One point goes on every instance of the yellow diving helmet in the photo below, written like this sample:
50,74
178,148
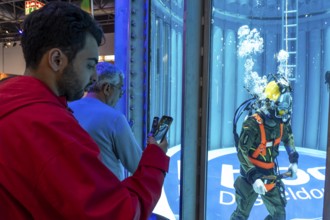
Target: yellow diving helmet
280,99
272,91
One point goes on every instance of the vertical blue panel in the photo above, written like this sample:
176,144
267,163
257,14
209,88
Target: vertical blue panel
270,50
153,67
229,88
162,59
299,93
241,93
216,73
324,107
243,2
176,88
160,66
271,2
258,58
313,95
178,115
173,84
166,69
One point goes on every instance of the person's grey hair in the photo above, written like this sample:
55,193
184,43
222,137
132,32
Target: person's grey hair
106,73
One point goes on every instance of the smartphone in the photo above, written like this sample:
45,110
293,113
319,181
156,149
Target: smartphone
154,125
162,128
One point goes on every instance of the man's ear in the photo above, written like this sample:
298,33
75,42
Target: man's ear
57,59
107,89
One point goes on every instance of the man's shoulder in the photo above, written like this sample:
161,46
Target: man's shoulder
88,104
82,101
25,92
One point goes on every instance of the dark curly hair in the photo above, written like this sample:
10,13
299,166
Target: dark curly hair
57,25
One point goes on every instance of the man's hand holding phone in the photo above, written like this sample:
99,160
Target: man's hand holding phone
159,130
163,145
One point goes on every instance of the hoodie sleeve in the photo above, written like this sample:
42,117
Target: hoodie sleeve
74,183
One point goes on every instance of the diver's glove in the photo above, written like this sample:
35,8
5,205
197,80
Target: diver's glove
259,187
293,168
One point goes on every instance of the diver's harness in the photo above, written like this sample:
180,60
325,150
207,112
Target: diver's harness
261,149
270,181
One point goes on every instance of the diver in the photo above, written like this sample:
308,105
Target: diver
257,150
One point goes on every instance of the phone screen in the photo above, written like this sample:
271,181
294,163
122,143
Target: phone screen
162,128
154,125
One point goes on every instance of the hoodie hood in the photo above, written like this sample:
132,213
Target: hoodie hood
20,91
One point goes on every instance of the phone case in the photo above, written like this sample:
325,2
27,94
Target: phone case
154,125
162,128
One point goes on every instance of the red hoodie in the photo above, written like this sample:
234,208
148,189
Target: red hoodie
49,166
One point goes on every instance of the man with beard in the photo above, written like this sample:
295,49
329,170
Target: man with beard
50,166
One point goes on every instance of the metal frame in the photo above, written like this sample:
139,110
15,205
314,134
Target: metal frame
194,117
326,199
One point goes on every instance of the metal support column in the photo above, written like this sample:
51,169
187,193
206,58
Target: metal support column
194,109
326,208
131,52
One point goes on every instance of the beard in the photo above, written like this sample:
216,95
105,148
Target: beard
70,85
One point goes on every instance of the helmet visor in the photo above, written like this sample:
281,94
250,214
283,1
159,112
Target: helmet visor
284,104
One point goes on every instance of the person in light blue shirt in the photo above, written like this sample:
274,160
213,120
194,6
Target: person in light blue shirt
107,126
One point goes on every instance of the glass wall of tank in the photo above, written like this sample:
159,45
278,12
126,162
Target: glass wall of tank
250,40
166,25
166,42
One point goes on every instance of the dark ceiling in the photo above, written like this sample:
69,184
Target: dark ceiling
12,13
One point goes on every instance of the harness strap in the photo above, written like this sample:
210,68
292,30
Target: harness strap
261,164
278,140
262,146
269,186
